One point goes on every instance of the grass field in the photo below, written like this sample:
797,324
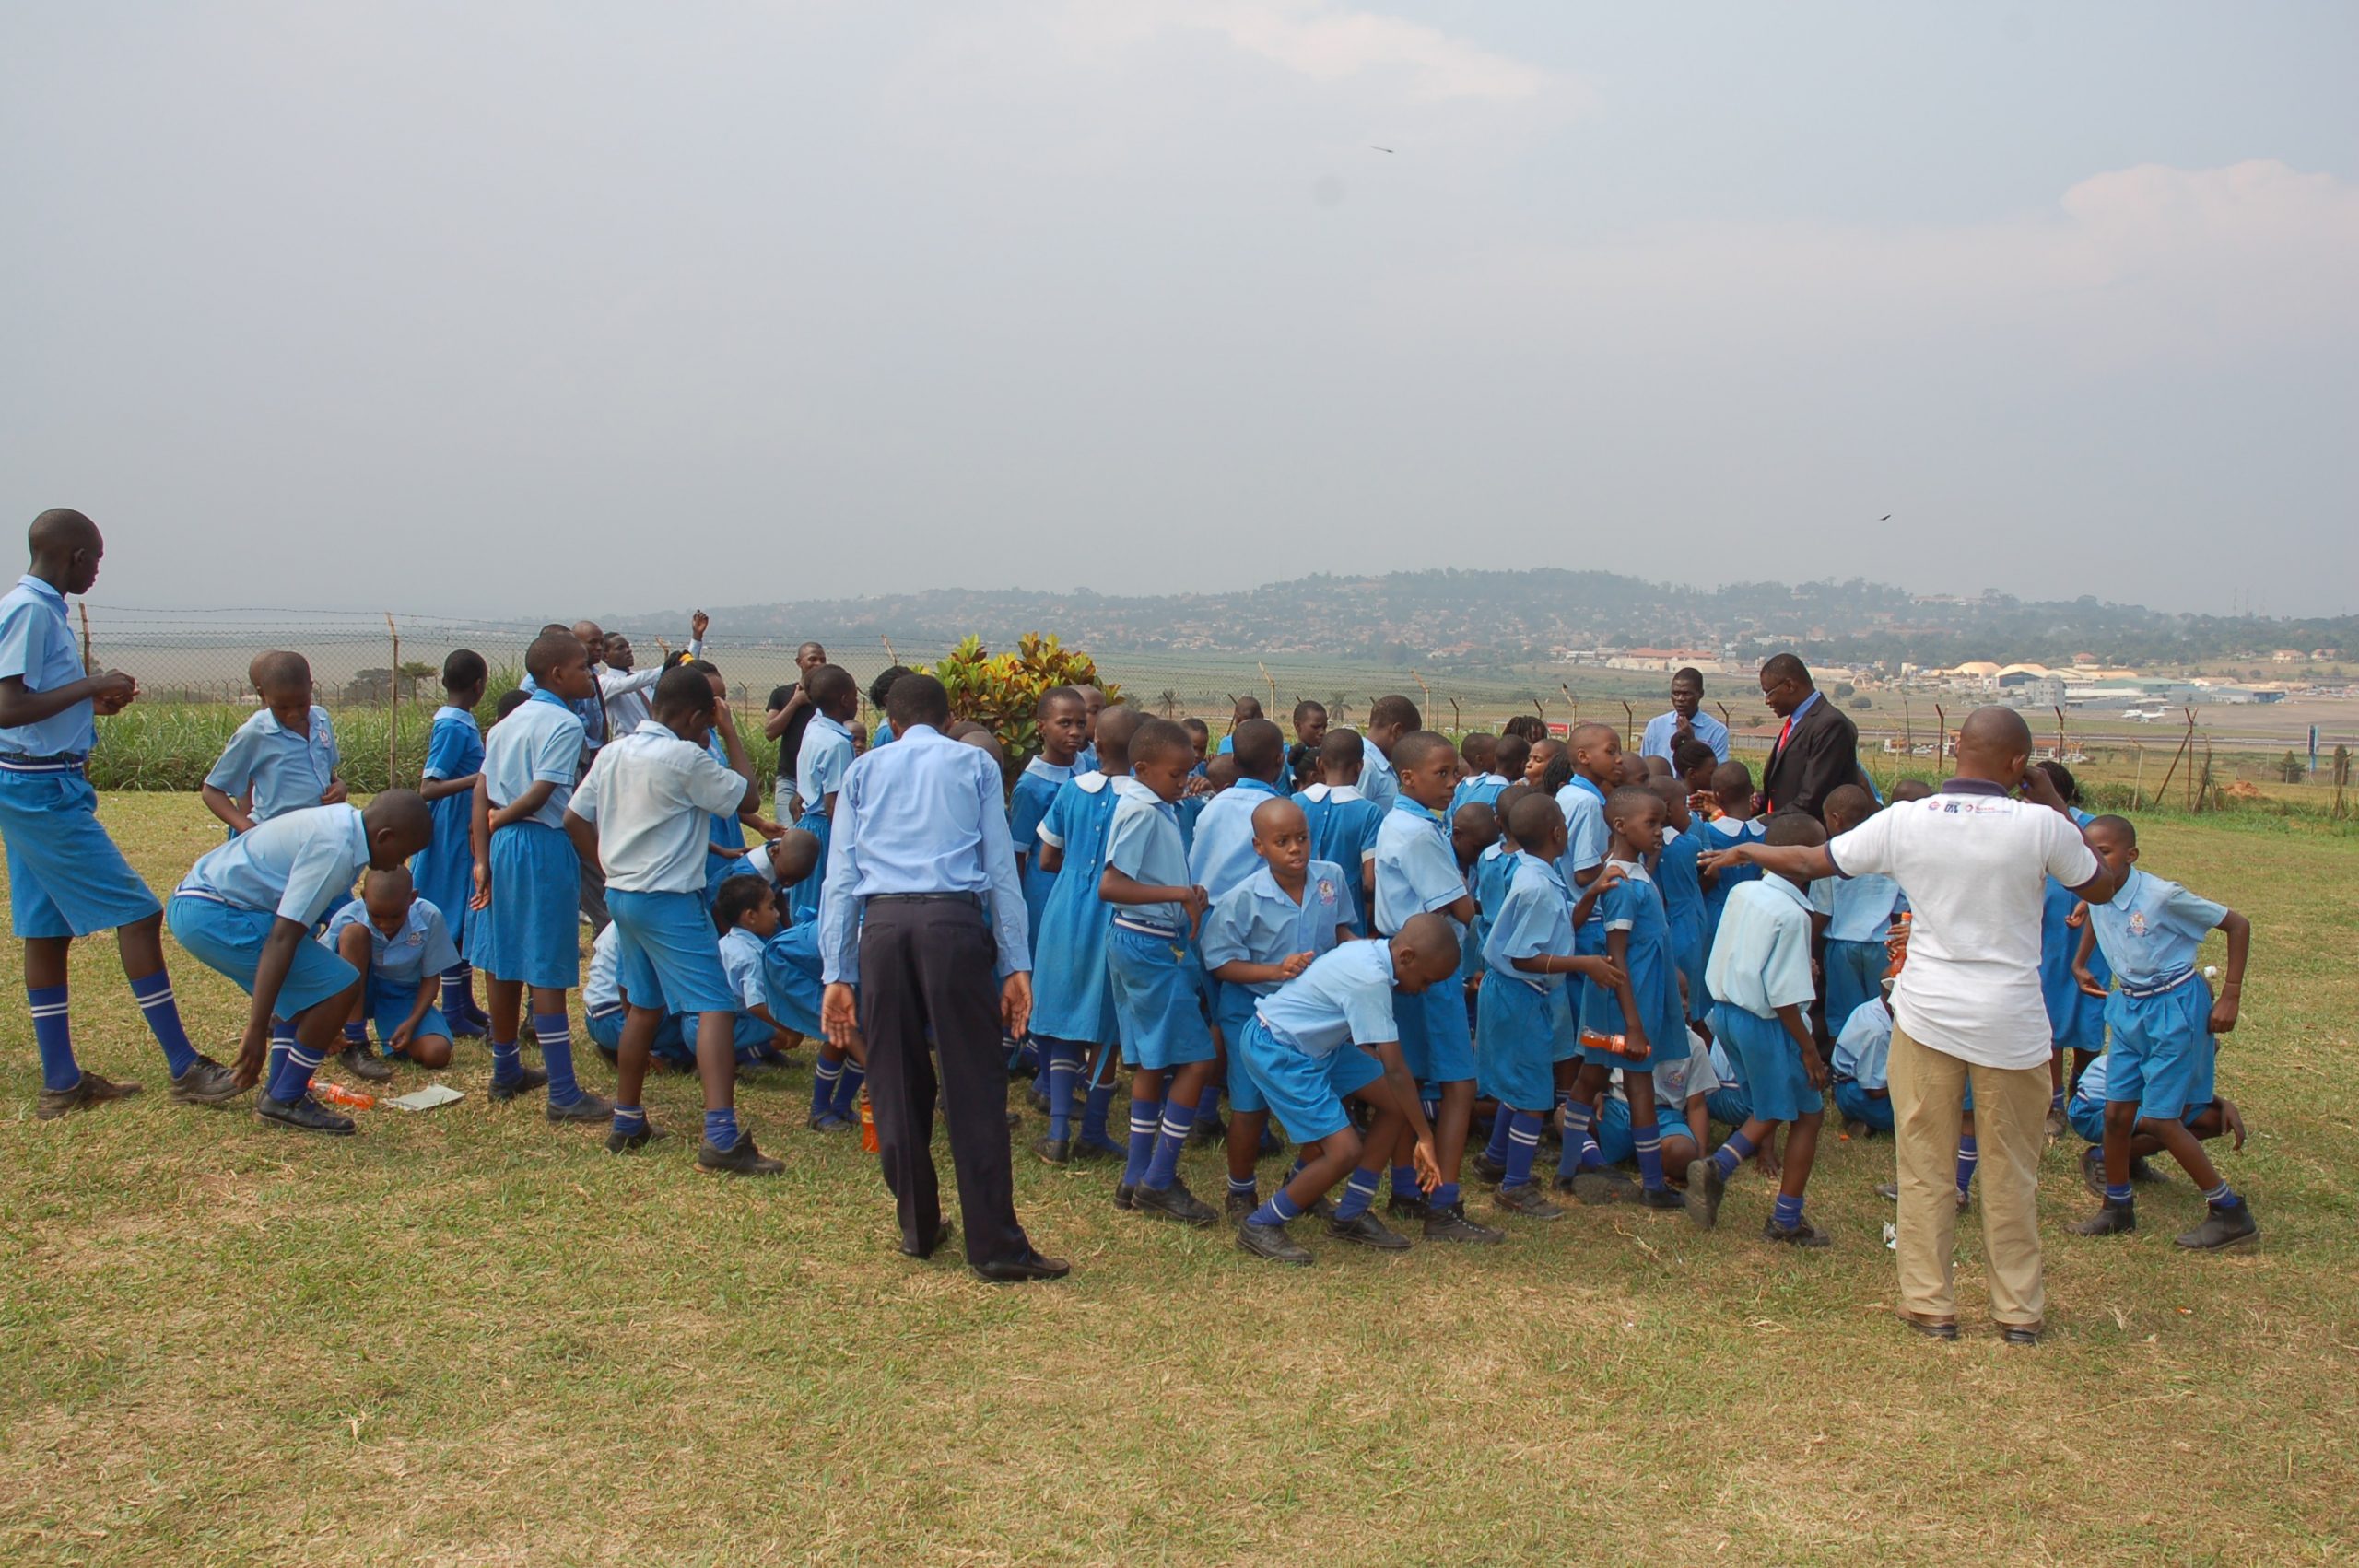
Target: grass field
469,1338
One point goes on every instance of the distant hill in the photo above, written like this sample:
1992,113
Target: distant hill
1489,617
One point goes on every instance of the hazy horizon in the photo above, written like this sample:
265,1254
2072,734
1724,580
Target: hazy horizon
520,310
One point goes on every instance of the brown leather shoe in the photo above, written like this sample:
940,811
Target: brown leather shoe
1932,1327
91,1091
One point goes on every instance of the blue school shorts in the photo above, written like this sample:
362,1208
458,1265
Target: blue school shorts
1772,1066
606,1032
793,994
66,876
2163,1054
1436,1042
666,947
1729,1104
227,939
532,933
1857,1105
1233,1010
1612,1130
1518,1029
388,1010
1854,975
1589,942
1305,1092
1157,1001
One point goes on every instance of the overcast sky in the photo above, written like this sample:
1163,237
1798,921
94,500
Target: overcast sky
555,308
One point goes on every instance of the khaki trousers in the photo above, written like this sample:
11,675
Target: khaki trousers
2011,1130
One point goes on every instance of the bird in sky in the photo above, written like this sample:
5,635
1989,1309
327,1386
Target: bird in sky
1373,147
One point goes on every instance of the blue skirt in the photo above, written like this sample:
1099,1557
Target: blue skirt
802,899
445,869
1520,1031
532,932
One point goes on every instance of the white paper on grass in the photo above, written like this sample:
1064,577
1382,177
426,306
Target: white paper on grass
428,1098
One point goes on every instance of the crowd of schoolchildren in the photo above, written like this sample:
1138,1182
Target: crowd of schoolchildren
1416,964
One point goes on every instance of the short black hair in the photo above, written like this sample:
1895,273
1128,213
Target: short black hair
1477,743
1197,728
1731,778
1513,752
683,689
1907,790
1477,817
1505,804
1789,829
1688,673
1631,797
1786,667
1535,817
510,701
1394,709
917,699
1259,748
1054,695
1343,748
278,669
550,649
2061,776
738,897
2121,827
882,687
1159,738
1412,749
1246,708
1691,754
829,685
463,668
1851,801
1306,706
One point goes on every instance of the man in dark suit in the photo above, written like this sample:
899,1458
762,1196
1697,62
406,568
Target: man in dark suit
1818,748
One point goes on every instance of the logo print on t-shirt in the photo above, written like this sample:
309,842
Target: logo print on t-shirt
2138,922
1326,890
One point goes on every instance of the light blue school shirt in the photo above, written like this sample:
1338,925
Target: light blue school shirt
1535,918
298,865
1863,1051
924,814
286,770
538,744
741,961
1657,740
402,961
652,797
1258,922
37,647
1145,845
1858,909
589,710
2090,1089
2151,929
1223,853
821,762
1484,789
1344,994
1378,782
1761,957
453,746
1416,868
1586,833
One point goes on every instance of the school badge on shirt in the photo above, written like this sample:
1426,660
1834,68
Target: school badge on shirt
2138,922
1327,890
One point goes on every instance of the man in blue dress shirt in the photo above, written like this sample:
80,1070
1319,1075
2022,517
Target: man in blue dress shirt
922,906
1686,718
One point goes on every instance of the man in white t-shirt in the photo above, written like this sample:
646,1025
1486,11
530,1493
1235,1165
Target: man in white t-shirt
1974,860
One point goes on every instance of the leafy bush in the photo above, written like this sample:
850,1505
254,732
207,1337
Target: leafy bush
1001,691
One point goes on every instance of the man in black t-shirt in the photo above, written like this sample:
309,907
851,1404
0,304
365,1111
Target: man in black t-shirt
790,713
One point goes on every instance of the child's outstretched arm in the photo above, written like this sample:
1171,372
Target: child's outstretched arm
2223,1011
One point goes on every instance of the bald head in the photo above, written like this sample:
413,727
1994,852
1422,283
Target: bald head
1425,953
64,547
1993,744
1259,748
397,826
794,854
1276,815
1115,728
592,636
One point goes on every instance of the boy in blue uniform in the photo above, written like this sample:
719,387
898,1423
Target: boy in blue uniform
2217,1117
791,981
820,769
1388,719
1061,720
1732,823
1153,971
1859,912
2075,1018
603,1007
1480,781
746,914
523,921
444,869
1682,884
1072,1009
1525,1017
1221,854
281,759
66,876
1590,762
1258,935
1324,1038
1309,734
1623,1025
1342,821
1860,1069
2164,1026
400,945
1417,874
1760,972
643,814
248,909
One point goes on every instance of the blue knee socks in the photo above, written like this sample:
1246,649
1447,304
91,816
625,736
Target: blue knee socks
1405,1183
356,1036
1581,1152
1208,1104
1502,1128
290,1077
1064,1073
1786,1213
824,1075
1276,1211
54,1037
1093,1112
1729,1156
1179,1120
507,1063
1968,1156
721,1128
1523,1146
629,1119
1359,1191
1146,1123
458,992
155,994
557,1057
1647,1139
848,1083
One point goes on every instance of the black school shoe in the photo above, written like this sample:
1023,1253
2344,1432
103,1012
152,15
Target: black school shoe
1239,1205
1021,1271
1489,1172
364,1063
588,1108
206,1082
2092,1171
1174,1202
1055,1151
620,1143
1364,1229
740,1159
1125,1196
1447,1221
1660,1198
1204,1134
2019,1333
1401,1207
305,1115
2225,1224
528,1081
1599,1187
1271,1242
90,1090
1799,1233
1526,1202
1705,1187
942,1234
2111,1218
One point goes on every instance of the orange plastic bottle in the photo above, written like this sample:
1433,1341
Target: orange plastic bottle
338,1094
867,1122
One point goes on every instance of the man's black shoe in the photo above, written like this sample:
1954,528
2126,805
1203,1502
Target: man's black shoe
1019,1271
942,1235
2110,1219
